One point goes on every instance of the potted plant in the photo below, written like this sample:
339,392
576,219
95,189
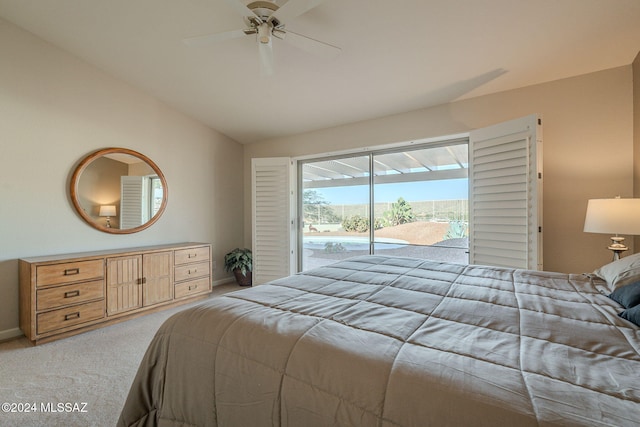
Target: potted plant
240,261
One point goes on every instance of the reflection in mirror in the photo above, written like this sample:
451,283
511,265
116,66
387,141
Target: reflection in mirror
118,190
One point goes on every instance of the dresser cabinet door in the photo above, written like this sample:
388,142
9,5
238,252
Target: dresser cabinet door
124,284
157,283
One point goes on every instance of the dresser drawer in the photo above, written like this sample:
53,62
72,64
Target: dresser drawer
192,287
69,294
185,256
56,274
70,316
192,271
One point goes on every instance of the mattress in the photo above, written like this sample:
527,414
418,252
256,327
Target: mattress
391,341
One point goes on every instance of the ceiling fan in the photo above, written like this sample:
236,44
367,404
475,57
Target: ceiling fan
266,20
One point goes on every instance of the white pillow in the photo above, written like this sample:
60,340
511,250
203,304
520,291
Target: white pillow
621,272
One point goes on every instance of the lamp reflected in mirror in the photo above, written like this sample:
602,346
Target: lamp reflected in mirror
108,211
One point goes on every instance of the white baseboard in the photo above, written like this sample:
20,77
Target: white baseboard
10,334
224,281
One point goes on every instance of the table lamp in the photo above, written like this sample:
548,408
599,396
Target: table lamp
615,216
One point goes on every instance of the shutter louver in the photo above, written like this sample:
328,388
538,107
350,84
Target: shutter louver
131,201
505,199
271,225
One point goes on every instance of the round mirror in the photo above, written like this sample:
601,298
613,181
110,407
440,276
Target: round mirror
118,190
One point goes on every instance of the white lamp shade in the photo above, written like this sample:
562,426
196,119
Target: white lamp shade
613,216
107,210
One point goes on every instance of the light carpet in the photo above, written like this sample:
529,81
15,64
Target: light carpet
78,381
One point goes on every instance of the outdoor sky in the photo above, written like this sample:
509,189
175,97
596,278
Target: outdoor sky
452,189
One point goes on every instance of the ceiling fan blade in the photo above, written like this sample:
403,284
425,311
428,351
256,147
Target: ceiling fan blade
242,9
294,8
212,38
265,52
311,45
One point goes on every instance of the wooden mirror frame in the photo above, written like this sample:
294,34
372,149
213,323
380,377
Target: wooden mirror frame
75,178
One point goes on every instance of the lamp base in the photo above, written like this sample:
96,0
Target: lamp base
617,247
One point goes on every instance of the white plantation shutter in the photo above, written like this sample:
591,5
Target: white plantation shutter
505,200
133,201
271,202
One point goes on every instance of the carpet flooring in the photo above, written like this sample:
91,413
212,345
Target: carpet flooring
78,381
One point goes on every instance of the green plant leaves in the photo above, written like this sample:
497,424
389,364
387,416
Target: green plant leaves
241,259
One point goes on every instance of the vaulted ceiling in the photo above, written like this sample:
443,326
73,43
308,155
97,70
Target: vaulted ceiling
396,56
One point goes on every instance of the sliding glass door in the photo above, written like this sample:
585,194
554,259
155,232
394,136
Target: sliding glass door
421,204
335,210
410,201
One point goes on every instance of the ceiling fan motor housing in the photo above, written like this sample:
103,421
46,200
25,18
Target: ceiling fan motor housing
264,10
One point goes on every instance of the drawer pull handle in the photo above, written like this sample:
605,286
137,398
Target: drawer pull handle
193,271
71,316
71,271
192,255
72,294
193,287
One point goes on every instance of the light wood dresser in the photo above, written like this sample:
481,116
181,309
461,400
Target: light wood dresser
63,295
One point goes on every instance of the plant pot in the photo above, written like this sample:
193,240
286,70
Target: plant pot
241,278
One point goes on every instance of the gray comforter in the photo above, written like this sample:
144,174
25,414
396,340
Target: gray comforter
381,341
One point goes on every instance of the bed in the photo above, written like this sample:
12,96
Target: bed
391,341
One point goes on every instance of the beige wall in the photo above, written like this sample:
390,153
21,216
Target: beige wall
636,133
588,145
100,185
54,110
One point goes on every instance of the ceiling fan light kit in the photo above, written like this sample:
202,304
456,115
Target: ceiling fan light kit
265,19
264,33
